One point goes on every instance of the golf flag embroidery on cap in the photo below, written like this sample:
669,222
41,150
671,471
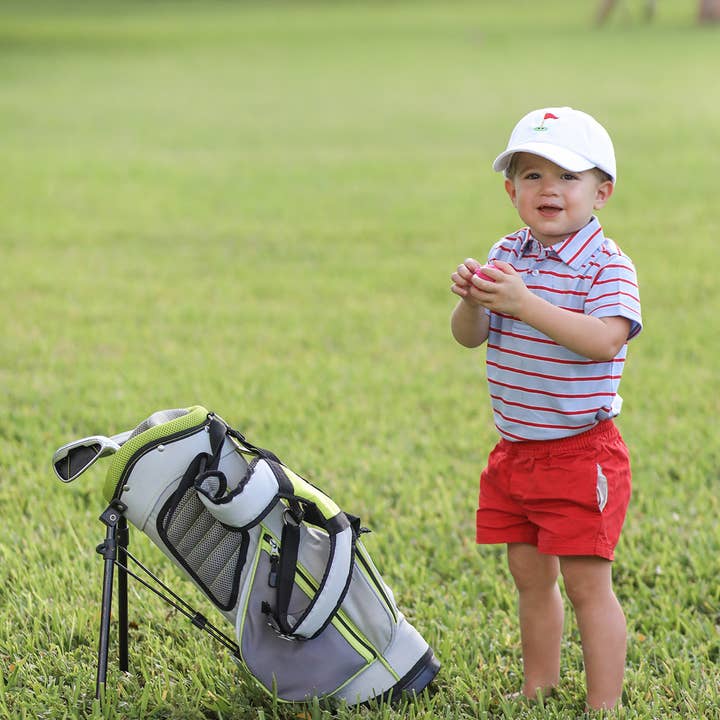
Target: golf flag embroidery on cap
548,116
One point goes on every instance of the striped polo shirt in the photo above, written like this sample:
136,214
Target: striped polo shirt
541,390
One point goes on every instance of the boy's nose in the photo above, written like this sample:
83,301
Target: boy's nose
548,186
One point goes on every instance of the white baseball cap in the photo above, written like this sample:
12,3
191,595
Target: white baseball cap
570,138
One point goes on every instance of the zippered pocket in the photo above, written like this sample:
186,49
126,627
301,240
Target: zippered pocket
295,669
309,587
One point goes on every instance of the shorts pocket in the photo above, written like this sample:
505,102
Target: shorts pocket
601,488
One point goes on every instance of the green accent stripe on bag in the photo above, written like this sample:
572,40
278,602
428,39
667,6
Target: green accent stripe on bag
306,491
197,415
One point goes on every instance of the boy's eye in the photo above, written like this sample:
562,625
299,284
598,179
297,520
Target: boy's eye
532,176
569,176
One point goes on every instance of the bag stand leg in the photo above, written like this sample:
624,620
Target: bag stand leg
113,548
115,553
123,537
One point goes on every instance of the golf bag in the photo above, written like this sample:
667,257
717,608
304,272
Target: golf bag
276,556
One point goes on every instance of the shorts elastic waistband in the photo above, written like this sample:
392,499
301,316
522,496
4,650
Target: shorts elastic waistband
567,444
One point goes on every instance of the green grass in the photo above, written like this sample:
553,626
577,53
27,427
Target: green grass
256,207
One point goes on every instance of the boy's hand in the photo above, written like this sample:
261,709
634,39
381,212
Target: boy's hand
598,339
506,294
463,283
469,322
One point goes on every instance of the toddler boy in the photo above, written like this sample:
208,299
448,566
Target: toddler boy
556,304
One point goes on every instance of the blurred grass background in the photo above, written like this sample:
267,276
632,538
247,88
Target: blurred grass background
257,206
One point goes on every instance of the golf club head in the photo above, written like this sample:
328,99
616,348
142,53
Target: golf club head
74,458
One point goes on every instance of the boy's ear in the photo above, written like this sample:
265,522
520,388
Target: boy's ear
510,190
603,193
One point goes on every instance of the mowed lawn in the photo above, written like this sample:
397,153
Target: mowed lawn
256,207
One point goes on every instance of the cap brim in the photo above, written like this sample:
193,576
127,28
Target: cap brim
559,155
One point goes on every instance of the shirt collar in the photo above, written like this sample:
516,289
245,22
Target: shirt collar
576,248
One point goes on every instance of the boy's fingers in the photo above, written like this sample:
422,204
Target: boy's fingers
466,270
464,274
502,267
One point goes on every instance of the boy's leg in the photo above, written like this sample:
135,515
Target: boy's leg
540,608
601,621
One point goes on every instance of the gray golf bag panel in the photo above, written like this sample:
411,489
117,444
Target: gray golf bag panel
275,555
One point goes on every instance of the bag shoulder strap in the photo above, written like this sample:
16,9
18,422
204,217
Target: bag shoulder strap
260,452
338,569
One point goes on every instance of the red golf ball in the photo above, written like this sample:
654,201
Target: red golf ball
479,272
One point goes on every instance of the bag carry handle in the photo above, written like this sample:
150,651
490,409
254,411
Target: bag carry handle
245,506
338,570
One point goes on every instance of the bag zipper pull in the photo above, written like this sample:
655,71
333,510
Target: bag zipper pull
274,561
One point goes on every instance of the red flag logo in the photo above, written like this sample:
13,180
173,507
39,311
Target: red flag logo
548,116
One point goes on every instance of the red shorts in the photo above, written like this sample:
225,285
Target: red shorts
567,496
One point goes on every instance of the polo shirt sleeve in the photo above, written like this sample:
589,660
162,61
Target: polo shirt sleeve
615,292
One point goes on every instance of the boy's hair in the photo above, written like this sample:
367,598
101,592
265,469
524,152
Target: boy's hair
511,170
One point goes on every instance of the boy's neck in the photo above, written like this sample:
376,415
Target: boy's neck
559,240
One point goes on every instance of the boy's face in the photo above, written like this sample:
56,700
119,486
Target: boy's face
554,202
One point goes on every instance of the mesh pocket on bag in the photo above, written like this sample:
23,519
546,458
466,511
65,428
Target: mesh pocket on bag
210,552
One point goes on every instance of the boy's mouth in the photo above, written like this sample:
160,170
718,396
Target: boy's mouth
549,210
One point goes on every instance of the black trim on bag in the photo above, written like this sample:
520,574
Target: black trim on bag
344,592
427,665
376,581
283,481
254,449
197,465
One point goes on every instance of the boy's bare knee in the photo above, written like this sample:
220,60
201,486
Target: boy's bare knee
580,596
586,579
530,569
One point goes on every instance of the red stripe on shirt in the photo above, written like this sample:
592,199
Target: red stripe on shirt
613,305
562,378
543,425
507,333
557,291
612,294
561,396
539,408
616,279
567,242
585,244
542,358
